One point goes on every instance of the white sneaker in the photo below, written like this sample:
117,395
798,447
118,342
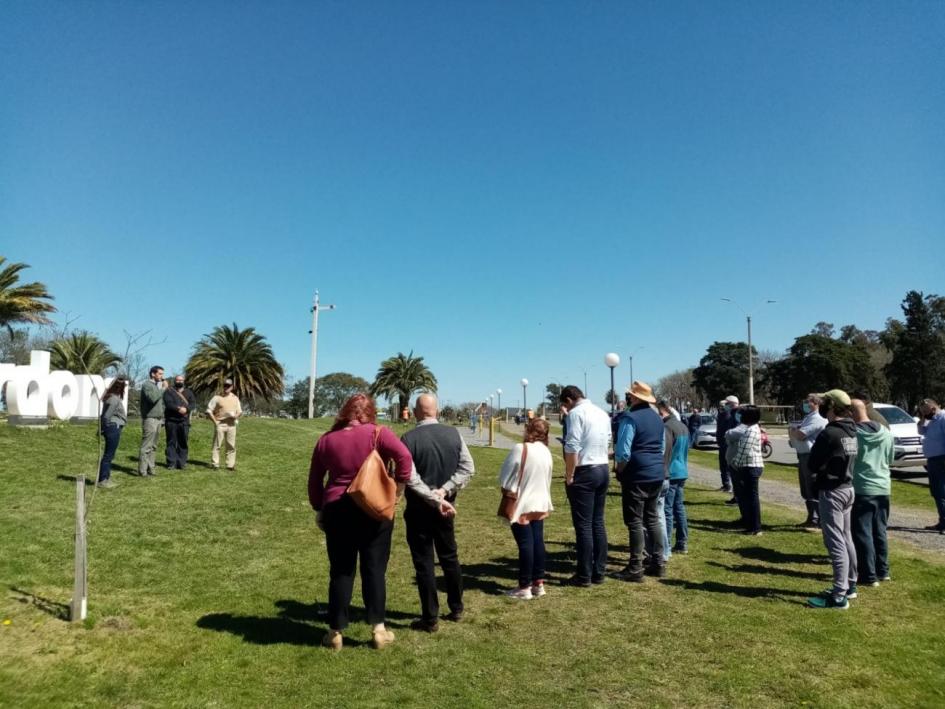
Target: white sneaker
524,594
538,590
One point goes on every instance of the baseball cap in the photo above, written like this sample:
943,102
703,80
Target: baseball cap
732,399
227,382
837,397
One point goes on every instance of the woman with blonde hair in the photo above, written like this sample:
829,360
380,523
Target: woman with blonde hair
526,473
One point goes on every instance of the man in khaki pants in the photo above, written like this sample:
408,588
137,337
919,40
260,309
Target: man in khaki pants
224,410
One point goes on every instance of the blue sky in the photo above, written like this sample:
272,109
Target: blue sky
508,189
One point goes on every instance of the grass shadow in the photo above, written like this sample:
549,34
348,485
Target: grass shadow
262,631
778,594
73,478
316,612
499,574
774,556
913,530
768,571
46,605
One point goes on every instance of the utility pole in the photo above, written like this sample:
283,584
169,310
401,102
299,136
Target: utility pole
314,331
751,367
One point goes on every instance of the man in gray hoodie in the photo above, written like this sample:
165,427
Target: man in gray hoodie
831,461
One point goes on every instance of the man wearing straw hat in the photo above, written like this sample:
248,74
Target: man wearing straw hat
640,470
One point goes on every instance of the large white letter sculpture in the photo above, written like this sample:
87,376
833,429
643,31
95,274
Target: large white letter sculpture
35,395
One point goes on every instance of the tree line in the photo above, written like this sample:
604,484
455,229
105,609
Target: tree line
902,364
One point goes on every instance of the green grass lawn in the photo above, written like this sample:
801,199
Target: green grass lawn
904,492
208,589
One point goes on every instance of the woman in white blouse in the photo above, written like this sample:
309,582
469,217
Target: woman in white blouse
533,505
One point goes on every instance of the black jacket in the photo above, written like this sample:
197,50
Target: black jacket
833,455
173,401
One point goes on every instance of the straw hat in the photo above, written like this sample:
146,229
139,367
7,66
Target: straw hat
642,391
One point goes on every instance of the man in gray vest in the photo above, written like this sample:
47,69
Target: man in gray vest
152,417
443,462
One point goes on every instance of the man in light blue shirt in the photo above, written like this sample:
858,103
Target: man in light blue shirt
586,477
932,426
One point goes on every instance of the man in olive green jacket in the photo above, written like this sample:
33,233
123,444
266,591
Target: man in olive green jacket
152,418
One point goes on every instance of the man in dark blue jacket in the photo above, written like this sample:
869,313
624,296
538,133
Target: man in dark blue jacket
640,470
725,421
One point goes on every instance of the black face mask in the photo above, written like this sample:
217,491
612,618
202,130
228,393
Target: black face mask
822,409
178,385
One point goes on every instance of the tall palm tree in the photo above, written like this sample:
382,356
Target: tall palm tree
21,303
241,355
82,353
401,376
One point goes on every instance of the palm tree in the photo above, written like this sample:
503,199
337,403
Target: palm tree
241,355
82,353
401,376
21,303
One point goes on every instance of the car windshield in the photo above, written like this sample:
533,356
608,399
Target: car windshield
708,419
893,414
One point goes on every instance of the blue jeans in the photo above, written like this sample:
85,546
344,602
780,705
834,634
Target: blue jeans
723,466
661,511
870,516
112,435
587,494
936,468
676,516
531,552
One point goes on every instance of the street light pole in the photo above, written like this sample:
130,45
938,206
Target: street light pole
314,331
751,359
524,399
499,394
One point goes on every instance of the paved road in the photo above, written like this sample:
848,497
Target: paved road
905,524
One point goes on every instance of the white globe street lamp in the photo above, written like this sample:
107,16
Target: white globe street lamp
612,359
524,400
499,394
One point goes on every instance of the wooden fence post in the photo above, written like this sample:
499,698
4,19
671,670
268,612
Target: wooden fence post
80,591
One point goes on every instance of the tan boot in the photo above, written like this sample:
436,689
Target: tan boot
382,638
332,639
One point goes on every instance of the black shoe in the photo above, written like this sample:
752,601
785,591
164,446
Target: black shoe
424,626
453,616
725,488
578,581
680,550
657,570
733,502
597,580
628,574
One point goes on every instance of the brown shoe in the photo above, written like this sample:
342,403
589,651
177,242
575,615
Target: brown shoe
332,640
382,638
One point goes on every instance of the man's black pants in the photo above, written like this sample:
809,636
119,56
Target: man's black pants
428,530
177,433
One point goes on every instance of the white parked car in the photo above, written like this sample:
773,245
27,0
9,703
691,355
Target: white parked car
704,435
908,442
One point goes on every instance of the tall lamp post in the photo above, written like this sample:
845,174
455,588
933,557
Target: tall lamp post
524,399
314,331
751,360
630,357
612,359
499,394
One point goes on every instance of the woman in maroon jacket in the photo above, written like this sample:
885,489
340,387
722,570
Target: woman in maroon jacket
348,530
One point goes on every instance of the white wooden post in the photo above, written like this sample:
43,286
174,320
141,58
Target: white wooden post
80,591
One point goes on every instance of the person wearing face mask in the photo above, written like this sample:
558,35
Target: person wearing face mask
832,461
224,410
725,422
932,427
179,403
801,439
